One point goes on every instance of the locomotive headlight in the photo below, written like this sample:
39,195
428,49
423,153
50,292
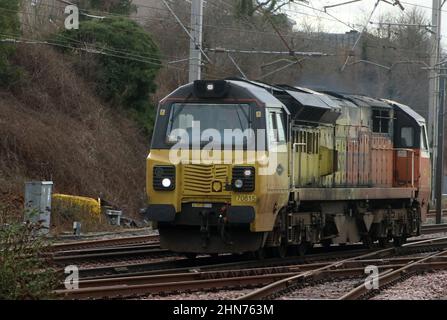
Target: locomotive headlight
166,182
238,183
164,178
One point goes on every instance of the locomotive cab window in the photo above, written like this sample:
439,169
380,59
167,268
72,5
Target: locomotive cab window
202,123
275,127
407,137
381,121
424,140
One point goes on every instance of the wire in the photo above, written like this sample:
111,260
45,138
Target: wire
213,26
8,38
130,54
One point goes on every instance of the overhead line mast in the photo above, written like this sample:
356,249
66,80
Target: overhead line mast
195,50
434,110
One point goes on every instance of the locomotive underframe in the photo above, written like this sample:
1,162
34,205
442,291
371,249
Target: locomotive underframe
299,225
340,222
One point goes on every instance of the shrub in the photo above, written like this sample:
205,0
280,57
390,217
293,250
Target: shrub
129,65
66,209
9,28
55,128
24,274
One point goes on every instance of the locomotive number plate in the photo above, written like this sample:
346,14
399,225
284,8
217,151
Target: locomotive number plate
246,198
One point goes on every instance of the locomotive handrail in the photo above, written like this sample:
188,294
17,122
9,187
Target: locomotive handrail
412,161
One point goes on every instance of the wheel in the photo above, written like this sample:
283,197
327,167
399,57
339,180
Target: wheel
280,251
367,242
302,248
326,243
259,254
383,242
399,241
191,255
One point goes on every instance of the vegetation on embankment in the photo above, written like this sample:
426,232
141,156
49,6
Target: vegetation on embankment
75,117
24,272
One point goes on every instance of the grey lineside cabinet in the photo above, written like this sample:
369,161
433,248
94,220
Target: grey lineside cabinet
38,203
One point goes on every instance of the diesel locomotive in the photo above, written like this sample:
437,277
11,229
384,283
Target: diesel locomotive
241,166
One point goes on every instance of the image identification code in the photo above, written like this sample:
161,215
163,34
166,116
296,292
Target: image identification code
224,310
245,309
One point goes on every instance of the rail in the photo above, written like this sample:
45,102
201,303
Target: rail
282,285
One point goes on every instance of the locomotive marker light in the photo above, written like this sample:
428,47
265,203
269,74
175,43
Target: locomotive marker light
239,184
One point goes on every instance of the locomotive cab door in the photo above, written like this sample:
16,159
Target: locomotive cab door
277,132
409,141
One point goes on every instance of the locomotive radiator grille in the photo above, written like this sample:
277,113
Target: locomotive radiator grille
198,179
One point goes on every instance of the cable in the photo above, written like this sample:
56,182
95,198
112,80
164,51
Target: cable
93,50
293,36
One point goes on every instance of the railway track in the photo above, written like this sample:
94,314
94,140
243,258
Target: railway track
88,244
190,275
270,277
212,263
111,254
352,267
398,273
105,250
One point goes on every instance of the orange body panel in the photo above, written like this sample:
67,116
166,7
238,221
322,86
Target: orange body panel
381,161
406,168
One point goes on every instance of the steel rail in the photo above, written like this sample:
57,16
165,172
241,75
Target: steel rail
201,275
159,288
395,275
237,278
102,242
174,283
116,249
78,258
207,264
317,274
